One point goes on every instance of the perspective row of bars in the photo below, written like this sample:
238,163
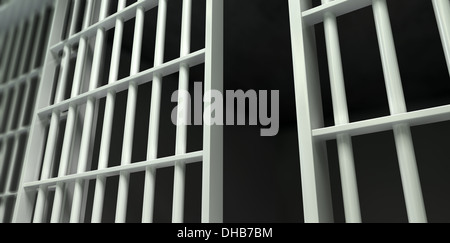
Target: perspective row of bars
80,112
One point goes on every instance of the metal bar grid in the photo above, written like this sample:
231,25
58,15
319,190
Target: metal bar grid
37,180
312,133
19,72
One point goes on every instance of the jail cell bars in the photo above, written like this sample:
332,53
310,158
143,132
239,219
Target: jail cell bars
313,134
22,45
58,162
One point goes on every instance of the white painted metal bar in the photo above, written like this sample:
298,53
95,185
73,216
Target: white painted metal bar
13,133
3,38
442,12
4,164
3,70
37,45
33,73
415,118
72,117
182,116
18,134
55,120
108,119
21,79
86,137
12,163
2,209
25,203
74,20
155,108
130,116
14,107
107,24
6,55
212,167
46,167
47,163
22,69
26,98
344,141
6,195
316,192
26,50
165,162
312,16
402,134
5,98
165,69
14,90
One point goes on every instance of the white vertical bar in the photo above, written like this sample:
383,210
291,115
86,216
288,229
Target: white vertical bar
316,190
46,167
26,98
127,150
12,163
13,107
81,56
13,160
6,55
20,71
3,73
76,88
212,178
442,12
3,151
65,153
2,209
344,142
389,58
47,164
15,56
88,119
108,119
26,50
37,44
75,11
182,118
2,42
402,134
5,97
80,72
25,202
72,117
155,108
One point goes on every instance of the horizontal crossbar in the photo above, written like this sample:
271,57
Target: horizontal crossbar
114,171
13,133
415,118
165,69
338,7
107,24
21,79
